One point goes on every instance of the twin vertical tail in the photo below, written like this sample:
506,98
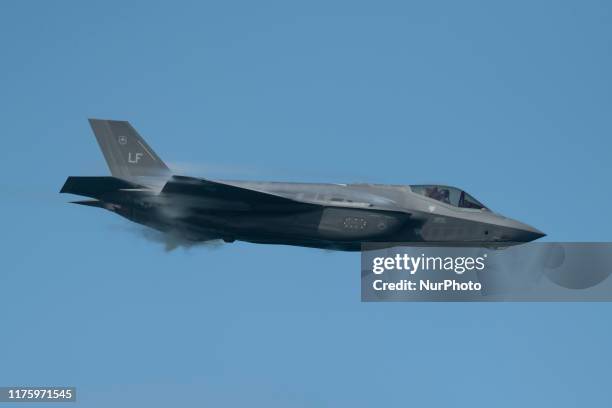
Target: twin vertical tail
128,156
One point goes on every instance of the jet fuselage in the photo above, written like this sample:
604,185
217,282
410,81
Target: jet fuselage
332,216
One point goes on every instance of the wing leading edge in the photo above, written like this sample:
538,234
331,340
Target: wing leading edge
203,188
255,199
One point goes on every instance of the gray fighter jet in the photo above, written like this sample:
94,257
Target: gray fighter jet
331,216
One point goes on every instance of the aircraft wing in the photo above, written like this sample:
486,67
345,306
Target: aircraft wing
238,198
250,199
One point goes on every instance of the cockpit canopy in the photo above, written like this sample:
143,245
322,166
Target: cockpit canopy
449,195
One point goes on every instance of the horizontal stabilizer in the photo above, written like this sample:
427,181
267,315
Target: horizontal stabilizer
95,186
91,203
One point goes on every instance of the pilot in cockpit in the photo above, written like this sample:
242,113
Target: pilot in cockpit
438,194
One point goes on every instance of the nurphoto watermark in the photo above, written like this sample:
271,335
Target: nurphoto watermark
528,272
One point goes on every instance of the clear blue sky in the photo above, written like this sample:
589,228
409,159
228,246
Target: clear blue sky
510,101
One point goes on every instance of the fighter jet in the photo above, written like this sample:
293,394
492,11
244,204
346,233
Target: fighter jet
329,216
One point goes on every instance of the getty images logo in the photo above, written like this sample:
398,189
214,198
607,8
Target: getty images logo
414,264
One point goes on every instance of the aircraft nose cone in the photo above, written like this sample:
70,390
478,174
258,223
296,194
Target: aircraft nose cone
527,233
534,234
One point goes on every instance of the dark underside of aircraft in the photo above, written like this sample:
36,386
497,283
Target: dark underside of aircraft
331,216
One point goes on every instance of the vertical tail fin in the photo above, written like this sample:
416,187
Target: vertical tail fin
128,156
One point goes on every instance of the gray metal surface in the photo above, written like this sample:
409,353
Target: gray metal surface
332,216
